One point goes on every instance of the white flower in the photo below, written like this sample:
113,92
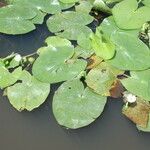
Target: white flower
129,97
17,58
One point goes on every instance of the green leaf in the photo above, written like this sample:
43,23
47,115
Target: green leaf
109,27
15,19
138,84
131,53
146,3
82,52
101,6
55,65
75,107
84,41
47,6
70,24
102,45
84,6
53,41
29,94
68,1
7,78
101,78
128,15
39,18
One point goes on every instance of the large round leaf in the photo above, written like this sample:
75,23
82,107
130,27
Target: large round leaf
75,107
47,6
29,94
131,53
68,1
128,15
69,24
139,84
15,19
54,65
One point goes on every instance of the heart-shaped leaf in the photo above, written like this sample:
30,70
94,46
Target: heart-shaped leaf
75,107
7,78
140,79
70,24
29,94
15,19
131,53
128,15
55,65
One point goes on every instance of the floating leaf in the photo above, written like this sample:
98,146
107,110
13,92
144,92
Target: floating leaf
146,3
139,113
131,53
70,24
15,19
47,6
82,52
68,1
29,94
101,78
7,78
55,65
84,41
75,107
128,15
84,6
53,41
101,6
140,79
102,45
39,18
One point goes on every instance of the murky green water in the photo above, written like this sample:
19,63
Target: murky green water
38,130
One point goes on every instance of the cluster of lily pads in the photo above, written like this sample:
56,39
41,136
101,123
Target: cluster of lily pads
104,62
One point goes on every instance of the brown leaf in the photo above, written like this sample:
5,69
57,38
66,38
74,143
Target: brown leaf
139,113
93,61
116,90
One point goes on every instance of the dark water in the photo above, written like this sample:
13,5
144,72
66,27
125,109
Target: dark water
38,130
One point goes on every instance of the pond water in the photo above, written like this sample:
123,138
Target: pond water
39,130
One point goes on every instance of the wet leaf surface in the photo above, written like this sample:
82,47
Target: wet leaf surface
136,15
70,24
29,94
75,107
130,55
140,79
55,65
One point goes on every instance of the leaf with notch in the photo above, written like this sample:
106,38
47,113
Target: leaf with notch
75,106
